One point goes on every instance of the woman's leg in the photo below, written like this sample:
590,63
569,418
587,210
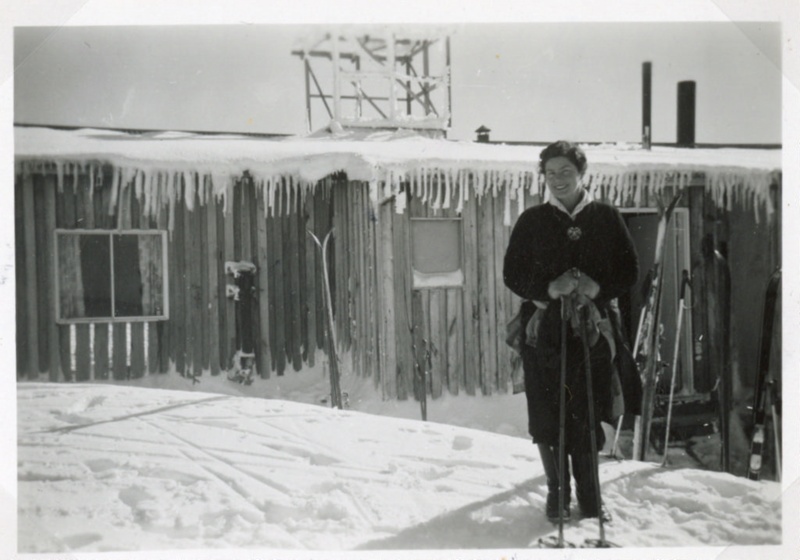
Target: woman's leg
549,455
583,468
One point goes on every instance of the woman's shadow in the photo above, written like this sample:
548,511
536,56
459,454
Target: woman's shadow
511,519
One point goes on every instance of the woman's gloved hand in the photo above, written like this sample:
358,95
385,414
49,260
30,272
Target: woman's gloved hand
587,287
564,284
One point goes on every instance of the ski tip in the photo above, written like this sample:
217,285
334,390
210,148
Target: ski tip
598,543
553,542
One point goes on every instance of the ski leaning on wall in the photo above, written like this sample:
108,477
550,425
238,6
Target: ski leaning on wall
648,336
765,388
333,359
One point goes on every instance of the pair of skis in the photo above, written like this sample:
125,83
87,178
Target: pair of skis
559,541
648,336
333,359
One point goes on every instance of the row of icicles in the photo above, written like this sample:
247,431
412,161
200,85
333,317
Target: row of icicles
438,188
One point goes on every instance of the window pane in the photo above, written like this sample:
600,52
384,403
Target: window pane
436,245
151,265
127,277
84,282
95,269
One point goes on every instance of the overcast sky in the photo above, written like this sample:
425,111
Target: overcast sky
530,81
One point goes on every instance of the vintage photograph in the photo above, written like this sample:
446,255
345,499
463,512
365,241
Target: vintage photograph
359,287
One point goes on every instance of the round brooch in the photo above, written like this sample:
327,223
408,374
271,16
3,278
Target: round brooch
574,233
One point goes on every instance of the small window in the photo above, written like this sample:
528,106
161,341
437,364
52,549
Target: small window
436,252
111,276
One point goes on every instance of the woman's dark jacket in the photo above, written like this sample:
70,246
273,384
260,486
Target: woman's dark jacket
544,243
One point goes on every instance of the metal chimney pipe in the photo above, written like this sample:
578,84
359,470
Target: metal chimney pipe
686,113
647,99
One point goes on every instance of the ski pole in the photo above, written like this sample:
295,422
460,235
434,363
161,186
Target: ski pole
684,284
777,434
613,453
583,318
562,421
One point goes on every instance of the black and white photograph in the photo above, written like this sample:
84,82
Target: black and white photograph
365,284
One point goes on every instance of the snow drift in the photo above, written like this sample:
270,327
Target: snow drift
109,467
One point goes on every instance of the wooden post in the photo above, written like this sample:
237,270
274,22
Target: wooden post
263,349
31,274
279,276
50,226
402,307
470,308
295,279
212,271
386,299
487,296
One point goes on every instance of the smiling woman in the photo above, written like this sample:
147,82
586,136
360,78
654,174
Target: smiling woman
569,255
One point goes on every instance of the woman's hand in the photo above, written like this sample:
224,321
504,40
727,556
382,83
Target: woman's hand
564,284
587,286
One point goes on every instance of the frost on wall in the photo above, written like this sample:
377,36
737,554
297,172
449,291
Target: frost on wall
168,170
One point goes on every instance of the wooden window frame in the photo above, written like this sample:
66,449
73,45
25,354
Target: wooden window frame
110,233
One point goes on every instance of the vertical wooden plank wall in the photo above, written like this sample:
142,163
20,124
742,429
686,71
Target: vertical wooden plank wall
370,262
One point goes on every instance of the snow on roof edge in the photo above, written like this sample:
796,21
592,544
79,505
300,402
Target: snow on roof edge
387,159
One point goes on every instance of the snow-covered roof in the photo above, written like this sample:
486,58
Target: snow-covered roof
388,158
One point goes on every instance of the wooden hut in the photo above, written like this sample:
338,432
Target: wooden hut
128,248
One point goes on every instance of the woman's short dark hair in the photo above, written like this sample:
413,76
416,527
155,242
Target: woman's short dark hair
562,148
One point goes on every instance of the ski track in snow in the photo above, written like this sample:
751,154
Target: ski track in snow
103,467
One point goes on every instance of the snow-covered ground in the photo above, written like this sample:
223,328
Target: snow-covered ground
221,466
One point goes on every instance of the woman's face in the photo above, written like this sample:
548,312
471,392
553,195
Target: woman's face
563,180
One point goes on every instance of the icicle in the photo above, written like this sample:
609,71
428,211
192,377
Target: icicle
171,195
373,197
436,189
149,192
265,195
514,181
114,191
75,174
507,206
273,194
60,175
426,185
91,181
461,190
190,190
400,201
448,188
